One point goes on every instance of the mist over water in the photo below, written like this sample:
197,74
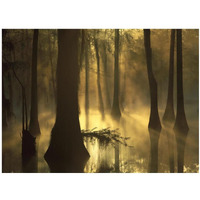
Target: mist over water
134,100
133,159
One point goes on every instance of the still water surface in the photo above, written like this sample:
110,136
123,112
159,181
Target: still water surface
134,159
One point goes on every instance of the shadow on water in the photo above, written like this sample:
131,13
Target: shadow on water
30,164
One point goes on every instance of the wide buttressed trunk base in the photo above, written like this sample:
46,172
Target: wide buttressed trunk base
34,128
29,152
116,114
66,153
169,116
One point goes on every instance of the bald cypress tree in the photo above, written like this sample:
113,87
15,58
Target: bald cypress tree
115,112
101,105
34,127
169,116
181,127
66,152
154,120
87,77
106,74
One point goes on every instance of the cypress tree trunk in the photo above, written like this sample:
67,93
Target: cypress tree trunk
154,121
101,106
169,110
4,100
22,44
115,112
181,127
86,83
123,93
28,72
115,107
52,70
66,152
105,65
4,106
11,113
34,124
169,116
82,47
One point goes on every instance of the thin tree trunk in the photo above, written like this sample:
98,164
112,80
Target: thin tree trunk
11,113
4,106
169,111
52,70
28,72
86,83
169,116
22,44
82,47
115,107
123,93
34,124
154,121
66,152
101,105
105,64
181,127
115,112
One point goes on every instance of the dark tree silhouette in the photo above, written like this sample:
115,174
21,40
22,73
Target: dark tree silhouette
169,116
5,106
82,48
52,66
115,112
7,64
28,69
11,113
34,127
181,127
106,82
101,105
4,100
123,92
154,121
29,150
86,43
66,152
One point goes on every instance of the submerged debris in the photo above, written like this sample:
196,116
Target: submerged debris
105,136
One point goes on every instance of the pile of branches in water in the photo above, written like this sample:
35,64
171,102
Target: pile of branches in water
105,136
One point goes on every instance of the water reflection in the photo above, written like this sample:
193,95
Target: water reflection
30,164
29,152
134,159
